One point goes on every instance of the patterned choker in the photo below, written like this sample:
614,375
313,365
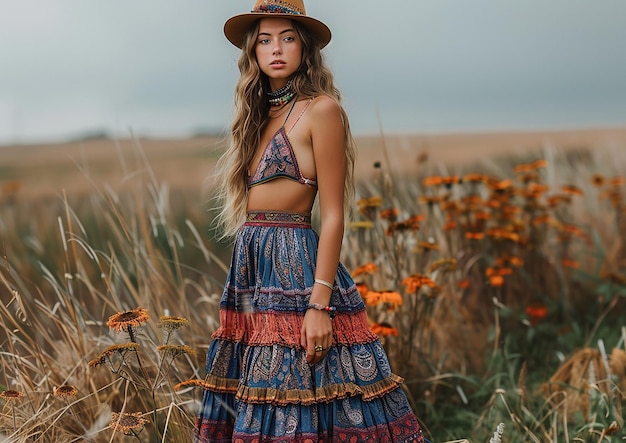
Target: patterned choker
282,96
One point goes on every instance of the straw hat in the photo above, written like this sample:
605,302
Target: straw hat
236,27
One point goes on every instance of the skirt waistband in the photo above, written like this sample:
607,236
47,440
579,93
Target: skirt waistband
278,218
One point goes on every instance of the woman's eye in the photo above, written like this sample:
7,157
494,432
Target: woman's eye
289,39
264,41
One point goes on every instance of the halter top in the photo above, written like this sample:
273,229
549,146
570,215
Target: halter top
278,159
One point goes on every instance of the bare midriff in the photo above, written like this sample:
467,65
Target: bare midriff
282,194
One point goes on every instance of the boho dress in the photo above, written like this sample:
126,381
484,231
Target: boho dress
259,385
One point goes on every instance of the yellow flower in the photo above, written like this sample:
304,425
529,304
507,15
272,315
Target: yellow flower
368,203
361,224
172,323
122,321
448,264
176,349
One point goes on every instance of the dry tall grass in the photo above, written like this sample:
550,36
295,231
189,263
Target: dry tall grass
490,278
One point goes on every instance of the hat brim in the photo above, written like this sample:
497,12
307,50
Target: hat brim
236,27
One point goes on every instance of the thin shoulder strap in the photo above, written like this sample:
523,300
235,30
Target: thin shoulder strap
300,116
289,113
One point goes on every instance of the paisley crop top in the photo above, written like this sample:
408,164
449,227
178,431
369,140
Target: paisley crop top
278,159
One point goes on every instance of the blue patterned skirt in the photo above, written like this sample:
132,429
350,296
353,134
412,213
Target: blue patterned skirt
259,385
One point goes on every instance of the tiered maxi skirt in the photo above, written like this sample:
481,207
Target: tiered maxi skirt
259,385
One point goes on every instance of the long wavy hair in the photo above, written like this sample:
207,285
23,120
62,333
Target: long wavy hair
312,79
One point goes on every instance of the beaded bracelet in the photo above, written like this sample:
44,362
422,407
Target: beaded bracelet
324,283
332,311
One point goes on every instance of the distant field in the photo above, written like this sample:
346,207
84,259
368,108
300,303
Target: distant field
45,170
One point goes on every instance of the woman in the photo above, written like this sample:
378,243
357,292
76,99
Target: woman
294,358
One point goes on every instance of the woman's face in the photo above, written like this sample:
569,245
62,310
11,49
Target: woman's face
278,50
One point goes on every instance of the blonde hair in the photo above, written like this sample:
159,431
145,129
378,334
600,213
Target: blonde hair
312,79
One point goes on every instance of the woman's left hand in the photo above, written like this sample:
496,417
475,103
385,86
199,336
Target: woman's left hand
317,331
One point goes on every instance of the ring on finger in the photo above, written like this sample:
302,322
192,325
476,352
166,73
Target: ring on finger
319,348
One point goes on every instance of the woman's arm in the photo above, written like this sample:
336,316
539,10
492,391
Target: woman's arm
328,140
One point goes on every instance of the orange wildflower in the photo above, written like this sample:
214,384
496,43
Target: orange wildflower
572,264
536,189
463,284
574,230
541,220
411,224
504,185
493,203
555,200
368,268
11,395
433,181
427,245
390,214
362,288
528,177
430,200
414,282
129,423
474,178
536,312
384,329
126,320
515,261
496,280
522,168
451,180
572,190
499,234
482,215
617,181
475,235
450,226
472,199
105,355
65,391
392,298
496,275
539,164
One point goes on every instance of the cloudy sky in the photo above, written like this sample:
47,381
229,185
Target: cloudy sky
163,67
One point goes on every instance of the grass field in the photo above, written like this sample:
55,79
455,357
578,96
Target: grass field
493,267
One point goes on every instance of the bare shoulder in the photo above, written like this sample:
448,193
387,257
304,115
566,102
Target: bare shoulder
325,107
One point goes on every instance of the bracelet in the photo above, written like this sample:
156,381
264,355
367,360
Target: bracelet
332,311
324,283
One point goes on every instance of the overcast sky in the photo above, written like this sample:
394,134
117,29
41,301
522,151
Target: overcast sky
163,67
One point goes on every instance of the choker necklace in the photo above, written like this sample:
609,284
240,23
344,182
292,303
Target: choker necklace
282,96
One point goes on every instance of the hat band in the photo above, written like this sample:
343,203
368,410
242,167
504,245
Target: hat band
279,7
